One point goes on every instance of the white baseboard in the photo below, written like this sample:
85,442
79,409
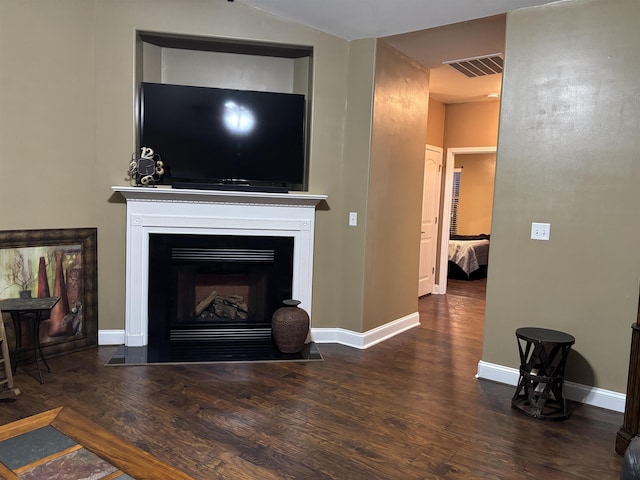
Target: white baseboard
596,397
319,335
366,339
110,337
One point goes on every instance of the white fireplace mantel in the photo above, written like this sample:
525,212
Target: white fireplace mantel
211,212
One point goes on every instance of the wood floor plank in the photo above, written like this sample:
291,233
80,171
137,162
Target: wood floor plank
409,407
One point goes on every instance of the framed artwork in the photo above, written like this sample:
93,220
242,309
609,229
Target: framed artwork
53,263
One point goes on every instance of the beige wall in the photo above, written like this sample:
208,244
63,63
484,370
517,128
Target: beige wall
470,124
473,124
571,71
48,170
395,188
67,123
355,175
435,123
70,116
227,70
476,192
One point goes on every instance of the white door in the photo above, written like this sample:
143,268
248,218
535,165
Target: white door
429,226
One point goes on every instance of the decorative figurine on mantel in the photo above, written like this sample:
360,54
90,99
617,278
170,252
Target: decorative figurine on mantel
145,170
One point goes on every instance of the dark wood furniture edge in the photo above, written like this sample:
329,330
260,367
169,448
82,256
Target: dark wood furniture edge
631,422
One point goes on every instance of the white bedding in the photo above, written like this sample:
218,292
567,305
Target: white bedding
469,255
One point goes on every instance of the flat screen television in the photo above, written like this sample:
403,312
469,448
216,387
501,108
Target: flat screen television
223,138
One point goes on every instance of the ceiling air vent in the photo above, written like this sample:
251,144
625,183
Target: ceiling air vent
478,66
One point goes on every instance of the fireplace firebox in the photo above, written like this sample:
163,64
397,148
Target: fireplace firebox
216,288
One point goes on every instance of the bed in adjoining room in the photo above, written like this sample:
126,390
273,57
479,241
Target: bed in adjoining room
468,256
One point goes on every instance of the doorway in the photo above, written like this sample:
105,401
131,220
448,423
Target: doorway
446,210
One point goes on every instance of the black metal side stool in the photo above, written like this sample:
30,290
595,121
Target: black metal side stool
543,357
28,309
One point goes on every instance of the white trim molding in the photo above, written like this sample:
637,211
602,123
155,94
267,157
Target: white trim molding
576,392
211,212
368,338
319,335
111,337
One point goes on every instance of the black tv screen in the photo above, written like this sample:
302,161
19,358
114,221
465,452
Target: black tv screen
221,136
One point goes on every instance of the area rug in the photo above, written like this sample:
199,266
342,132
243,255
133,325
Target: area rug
204,353
59,444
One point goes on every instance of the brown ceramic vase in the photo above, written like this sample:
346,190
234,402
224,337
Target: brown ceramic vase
290,327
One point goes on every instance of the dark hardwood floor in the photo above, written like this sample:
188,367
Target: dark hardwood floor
408,408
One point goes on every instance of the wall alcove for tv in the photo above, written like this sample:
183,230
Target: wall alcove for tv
228,64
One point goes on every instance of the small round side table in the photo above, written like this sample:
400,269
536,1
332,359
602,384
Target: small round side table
543,356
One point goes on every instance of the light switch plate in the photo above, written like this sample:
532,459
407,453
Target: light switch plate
540,231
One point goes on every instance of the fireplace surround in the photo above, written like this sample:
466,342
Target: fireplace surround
202,213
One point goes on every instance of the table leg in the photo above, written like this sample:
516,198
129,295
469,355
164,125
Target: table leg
17,324
44,360
37,348
17,330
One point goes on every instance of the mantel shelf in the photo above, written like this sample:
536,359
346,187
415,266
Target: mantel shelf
299,199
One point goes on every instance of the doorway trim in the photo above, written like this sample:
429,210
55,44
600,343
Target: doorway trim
434,197
446,208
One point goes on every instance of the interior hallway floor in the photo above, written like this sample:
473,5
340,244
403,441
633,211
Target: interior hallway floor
407,408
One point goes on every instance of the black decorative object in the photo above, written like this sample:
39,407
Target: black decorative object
145,170
543,356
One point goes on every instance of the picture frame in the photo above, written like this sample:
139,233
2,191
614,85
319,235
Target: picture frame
52,263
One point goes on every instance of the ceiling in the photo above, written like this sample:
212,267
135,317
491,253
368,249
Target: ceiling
462,40
429,31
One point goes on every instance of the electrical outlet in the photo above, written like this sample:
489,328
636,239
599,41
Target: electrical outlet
540,231
353,219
